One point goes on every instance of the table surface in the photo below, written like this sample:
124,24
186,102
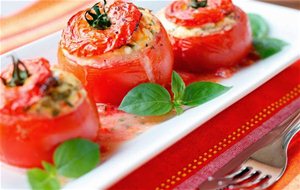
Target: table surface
289,3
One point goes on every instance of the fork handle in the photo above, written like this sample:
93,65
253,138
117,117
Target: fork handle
293,128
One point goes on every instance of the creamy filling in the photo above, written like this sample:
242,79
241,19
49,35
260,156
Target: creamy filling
207,29
63,95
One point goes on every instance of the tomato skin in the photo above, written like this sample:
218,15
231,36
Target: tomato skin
27,140
109,84
223,49
180,13
83,40
13,100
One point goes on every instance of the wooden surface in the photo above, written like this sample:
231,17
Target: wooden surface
288,3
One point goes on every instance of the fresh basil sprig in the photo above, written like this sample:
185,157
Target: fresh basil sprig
267,47
150,99
259,26
264,45
147,99
73,158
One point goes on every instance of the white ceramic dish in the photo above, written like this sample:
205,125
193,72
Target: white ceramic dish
283,25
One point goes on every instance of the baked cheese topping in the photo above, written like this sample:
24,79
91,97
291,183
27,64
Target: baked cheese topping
185,32
62,95
144,35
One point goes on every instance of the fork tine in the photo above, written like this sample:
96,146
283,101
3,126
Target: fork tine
248,182
230,176
236,172
245,177
246,185
264,184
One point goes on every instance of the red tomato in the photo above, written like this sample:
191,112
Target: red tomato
16,99
108,74
210,52
81,39
26,138
180,13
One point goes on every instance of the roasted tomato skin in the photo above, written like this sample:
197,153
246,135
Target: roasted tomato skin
28,139
211,52
180,13
108,76
224,49
81,39
109,85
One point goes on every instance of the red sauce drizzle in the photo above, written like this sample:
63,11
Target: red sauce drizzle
117,126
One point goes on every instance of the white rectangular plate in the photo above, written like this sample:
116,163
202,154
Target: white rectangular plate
284,25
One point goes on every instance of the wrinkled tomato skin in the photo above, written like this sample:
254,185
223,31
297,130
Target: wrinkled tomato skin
27,140
223,49
110,84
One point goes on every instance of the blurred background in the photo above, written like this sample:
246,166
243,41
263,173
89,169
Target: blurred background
23,21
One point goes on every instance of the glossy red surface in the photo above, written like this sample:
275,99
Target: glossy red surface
26,139
214,51
181,13
80,39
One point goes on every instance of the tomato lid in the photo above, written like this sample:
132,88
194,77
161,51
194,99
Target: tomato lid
186,13
82,37
17,97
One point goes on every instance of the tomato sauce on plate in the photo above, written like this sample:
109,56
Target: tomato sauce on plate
118,126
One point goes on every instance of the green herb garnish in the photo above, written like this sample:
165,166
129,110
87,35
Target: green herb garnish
197,4
147,99
150,99
264,45
96,18
42,180
19,75
72,158
259,26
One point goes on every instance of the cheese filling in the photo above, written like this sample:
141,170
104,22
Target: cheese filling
144,35
63,94
184,32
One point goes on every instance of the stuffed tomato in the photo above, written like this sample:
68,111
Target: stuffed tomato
207,35
114,47
39,109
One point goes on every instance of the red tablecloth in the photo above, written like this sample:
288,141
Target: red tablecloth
188,162
212,145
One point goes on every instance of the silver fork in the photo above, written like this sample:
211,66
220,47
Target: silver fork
264,167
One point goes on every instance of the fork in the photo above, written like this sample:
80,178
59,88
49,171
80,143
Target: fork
264,167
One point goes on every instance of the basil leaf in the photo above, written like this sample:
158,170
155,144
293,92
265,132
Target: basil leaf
259,26
147,99
179,110
41,180
178,86
75,157
266,47
49,168
200,92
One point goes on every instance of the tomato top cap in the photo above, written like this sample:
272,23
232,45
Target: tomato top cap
100,29
195,13
18,75
21,88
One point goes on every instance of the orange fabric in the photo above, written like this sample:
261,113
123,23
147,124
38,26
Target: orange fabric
172,166
38,20
293,170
